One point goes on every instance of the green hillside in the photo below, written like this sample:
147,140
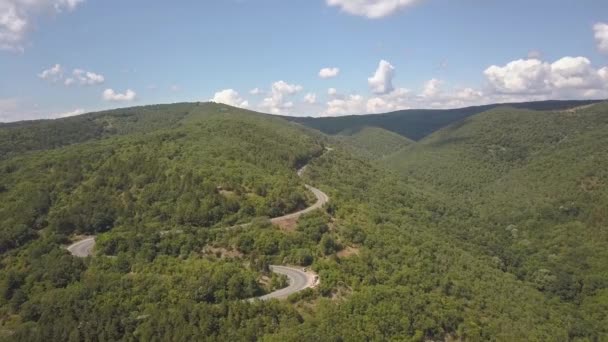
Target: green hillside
532,189
372,142
415,124
26,136
412,255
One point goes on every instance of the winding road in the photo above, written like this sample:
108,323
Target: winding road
299,279
82,248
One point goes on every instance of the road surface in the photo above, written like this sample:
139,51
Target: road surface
298,281
322,198
82,248
298,278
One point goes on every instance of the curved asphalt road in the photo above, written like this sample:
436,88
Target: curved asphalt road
298,281
298,278
82,248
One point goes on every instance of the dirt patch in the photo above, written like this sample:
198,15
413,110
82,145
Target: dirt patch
228,194
347,252
221,252
288,224
264,281
576,109
590,184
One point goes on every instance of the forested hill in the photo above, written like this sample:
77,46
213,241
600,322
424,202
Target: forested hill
532,191
19,137
492,229
415,124
372,142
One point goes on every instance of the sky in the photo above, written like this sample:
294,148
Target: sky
297,57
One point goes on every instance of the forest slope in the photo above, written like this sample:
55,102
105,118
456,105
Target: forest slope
532,188
372,142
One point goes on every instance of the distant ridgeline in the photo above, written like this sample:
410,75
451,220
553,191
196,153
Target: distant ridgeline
415,124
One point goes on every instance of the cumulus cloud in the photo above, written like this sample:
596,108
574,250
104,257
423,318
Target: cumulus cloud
230,97
310,98
79,76
326,73
83,77
256,91
520,76
16,17
382,80
276,102
574,72
332,91
603,73
601,36
572,77
372,9
398,99
355,104
432,88
111,95
53,74
351,104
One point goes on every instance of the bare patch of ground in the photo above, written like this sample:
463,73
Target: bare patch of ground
576,109
590,183
288,224
347,252
221,252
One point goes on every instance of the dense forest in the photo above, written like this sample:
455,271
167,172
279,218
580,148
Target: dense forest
490,228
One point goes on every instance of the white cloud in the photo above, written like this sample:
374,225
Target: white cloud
352,104
329,72
603,73
398,99
355,104
284,88
230,97
310,98
332,91
574,72
382,80
532,79
372,9
83,77
53,74
520,76
275,102
74,112
432,88
256,91
79,76
601,36
111,95
468,94
17,16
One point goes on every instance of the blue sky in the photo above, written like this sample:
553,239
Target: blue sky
64,57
